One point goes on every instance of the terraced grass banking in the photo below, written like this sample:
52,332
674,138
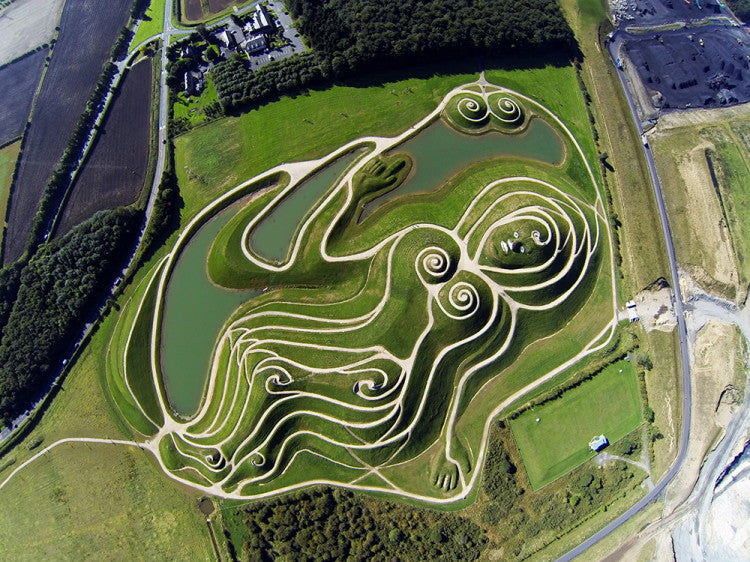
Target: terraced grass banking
368,357
553,446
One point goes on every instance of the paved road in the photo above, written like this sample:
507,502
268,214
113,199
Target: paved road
684,357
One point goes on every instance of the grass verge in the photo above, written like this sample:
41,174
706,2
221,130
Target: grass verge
8,157
151,24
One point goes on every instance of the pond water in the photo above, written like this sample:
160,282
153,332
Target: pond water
273,235
194,311
439,152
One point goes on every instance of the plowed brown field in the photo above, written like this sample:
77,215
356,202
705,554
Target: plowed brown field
115,170
18,82
87,32
193,10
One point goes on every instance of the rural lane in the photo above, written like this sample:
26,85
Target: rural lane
167,32
679,309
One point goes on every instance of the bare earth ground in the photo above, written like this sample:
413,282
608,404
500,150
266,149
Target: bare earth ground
704,212
714,363
678,119
655,309
25,25
701,237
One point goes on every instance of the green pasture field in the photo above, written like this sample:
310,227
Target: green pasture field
8,157
609,403
152,24
80,499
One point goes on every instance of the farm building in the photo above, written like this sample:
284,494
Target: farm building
598,443
261,21
227,39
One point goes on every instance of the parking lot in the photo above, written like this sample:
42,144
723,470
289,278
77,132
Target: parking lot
290,33
699,67
651,13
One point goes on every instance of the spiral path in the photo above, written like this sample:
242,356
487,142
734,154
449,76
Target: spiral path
375,391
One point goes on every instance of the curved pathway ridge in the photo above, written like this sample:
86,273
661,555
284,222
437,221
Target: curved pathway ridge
290,380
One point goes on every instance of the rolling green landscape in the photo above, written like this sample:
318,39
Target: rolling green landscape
387,420
359,290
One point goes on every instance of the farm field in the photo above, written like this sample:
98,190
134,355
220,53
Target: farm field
152,23
112,174
606,404
75,67
8,157
192,10
341,406
26,25
18,84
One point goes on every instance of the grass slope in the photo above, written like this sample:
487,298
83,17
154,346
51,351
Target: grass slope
8,157
215,157
607,404
80,500
152,23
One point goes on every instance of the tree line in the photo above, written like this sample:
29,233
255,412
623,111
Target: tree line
322,523
741,9
48,294
59,288
336,524
352,37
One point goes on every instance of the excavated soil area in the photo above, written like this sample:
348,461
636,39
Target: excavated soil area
689,74
650,13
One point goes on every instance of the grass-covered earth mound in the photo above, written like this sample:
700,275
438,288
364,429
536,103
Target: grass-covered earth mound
380,349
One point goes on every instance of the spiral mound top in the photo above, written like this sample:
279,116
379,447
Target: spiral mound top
476,111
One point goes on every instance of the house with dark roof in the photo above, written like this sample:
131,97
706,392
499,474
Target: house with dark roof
193,82
227,39
256,44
